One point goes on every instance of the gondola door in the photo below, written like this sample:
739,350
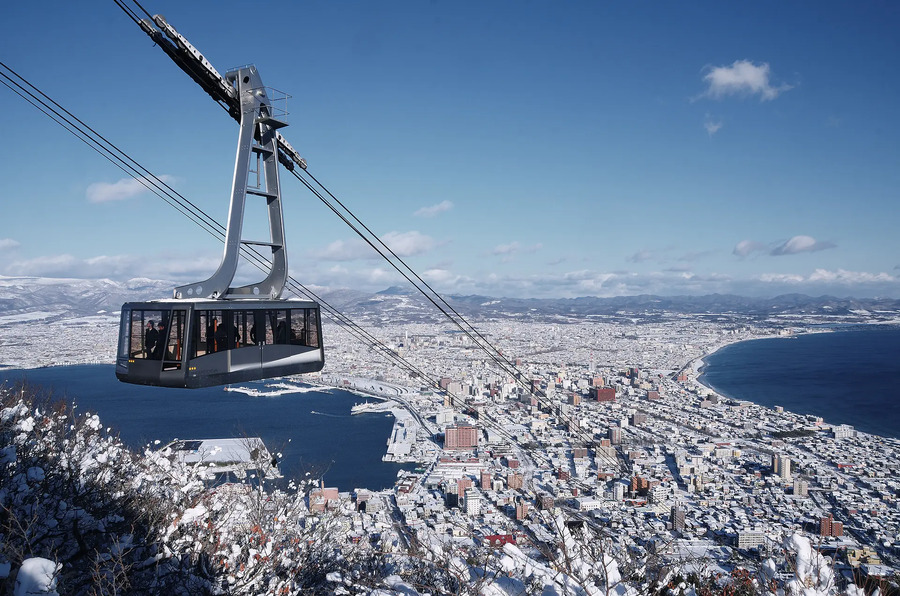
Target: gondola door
245,353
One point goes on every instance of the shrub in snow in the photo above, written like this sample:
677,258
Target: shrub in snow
36,576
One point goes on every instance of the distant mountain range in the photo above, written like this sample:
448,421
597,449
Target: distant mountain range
78,297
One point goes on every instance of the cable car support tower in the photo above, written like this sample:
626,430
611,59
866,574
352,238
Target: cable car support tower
213,333
260,148
256,143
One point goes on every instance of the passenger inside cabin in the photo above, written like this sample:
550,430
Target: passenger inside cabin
160,342
211,330
281,333
150,338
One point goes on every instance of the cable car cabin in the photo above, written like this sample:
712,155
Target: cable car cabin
201,343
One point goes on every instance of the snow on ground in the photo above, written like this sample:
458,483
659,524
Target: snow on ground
36,576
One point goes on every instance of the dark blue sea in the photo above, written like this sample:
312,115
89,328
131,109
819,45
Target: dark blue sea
312,428
847,377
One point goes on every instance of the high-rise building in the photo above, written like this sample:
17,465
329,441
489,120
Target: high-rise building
472,502
546,502
677,517
603,393
514,480
801,487
521,509
843,431
461,436
462,485
639,484
829,527
781,466
485,480
615,435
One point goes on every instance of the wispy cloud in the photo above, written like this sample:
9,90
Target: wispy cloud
747,247
696,255
8,244
407,244
509,251
506,249
794,245
640,256
404,244
825,276
345,250
712,125
126,188
799,244
121,267
744,78
434,210
677,269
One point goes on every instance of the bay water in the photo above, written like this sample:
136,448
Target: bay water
847,376
311,427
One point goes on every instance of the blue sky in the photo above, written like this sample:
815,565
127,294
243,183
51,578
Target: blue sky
503,148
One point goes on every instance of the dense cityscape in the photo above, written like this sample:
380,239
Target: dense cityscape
603,423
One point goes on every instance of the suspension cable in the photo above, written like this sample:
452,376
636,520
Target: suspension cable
121,160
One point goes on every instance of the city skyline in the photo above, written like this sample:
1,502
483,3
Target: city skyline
504,150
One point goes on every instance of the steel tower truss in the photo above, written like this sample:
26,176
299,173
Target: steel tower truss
257,148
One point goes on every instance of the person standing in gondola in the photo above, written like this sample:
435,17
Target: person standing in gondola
160,342
151,337
211,335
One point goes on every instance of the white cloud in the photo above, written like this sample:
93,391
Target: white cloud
513,248
434,209
799,244
126,188
843,276
407,244
589,282
8,244
640,256
121,267
446,278
745,247
712,126
743,77
838,277
346,250
404,244
782,278
506,249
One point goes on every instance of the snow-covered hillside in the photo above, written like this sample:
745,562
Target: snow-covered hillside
82,514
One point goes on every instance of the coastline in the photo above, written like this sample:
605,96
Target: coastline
698,364
404,444
697,376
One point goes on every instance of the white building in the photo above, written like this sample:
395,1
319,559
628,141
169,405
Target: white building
472,502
